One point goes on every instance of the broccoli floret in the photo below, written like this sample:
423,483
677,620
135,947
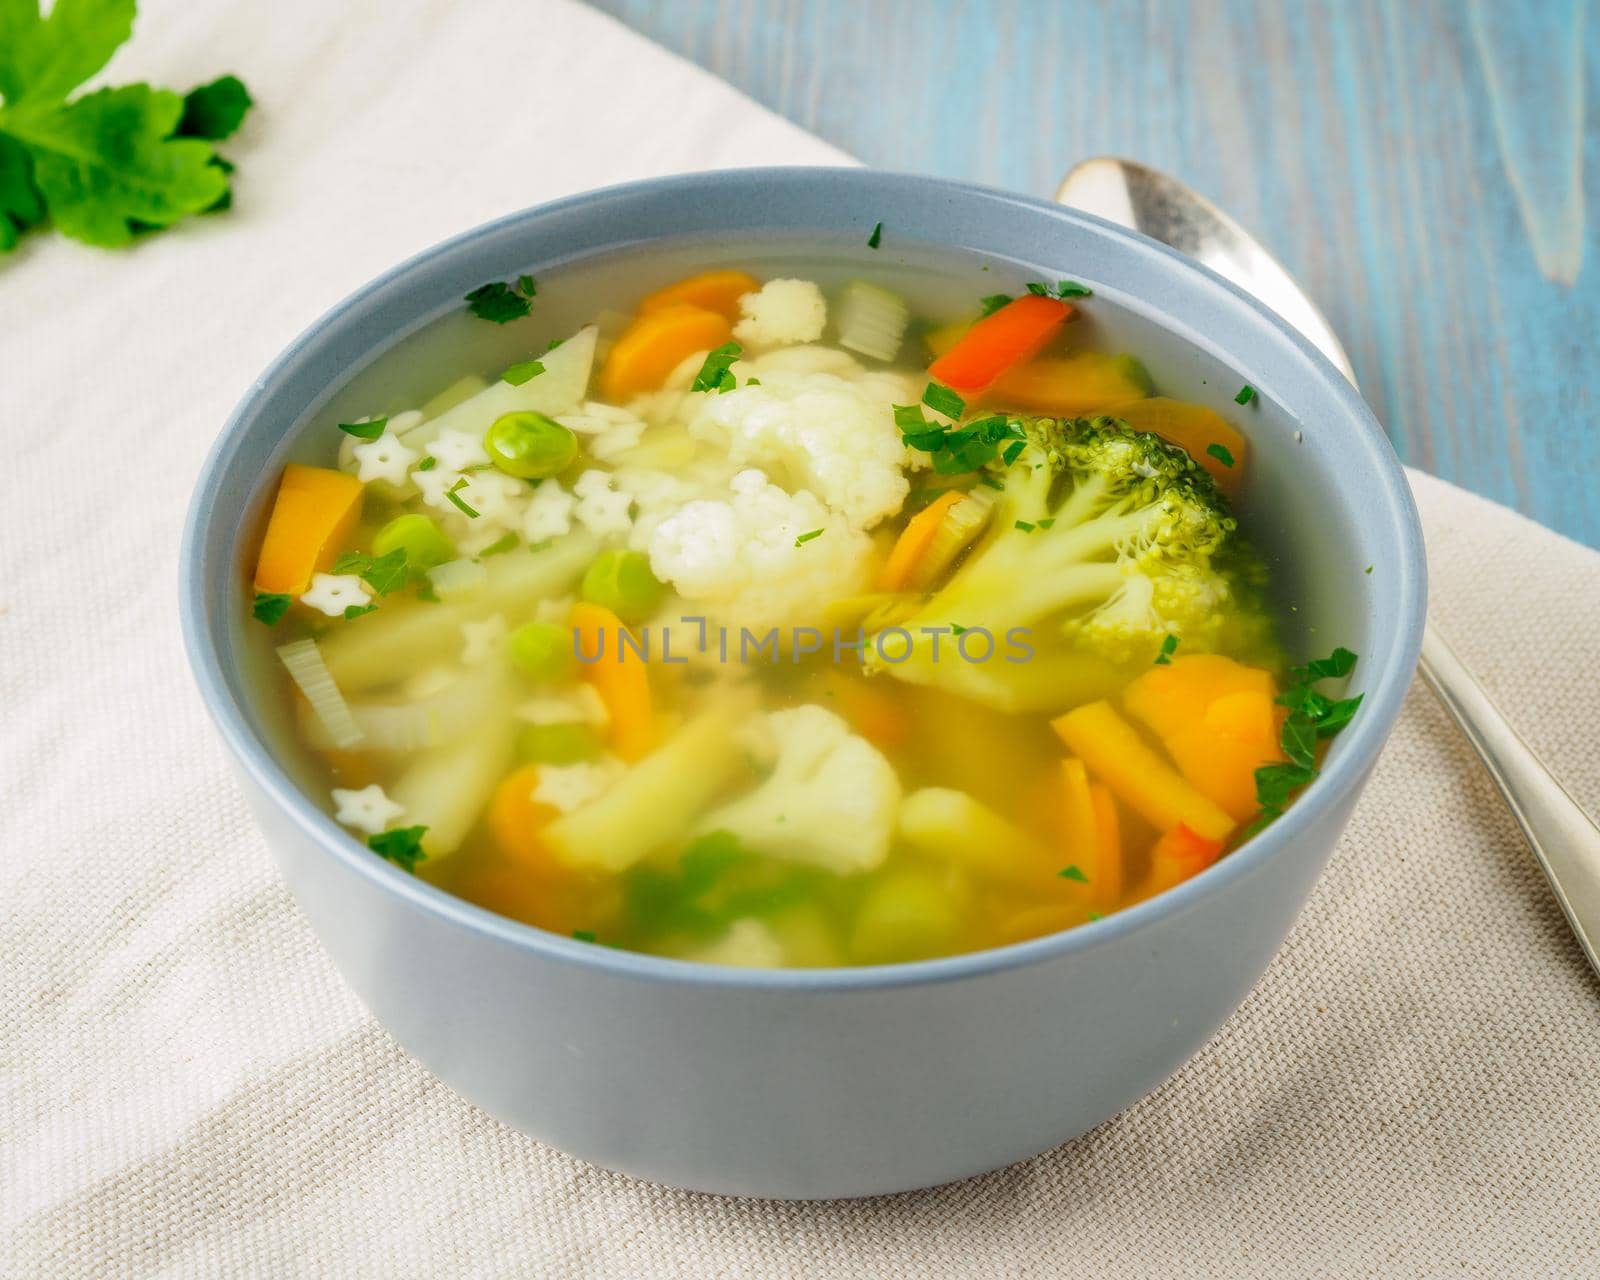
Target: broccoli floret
1106,541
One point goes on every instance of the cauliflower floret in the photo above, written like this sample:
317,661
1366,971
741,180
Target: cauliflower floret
820,432
830,800
781,312
740,556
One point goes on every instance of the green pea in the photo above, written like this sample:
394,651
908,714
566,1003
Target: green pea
529,445
558,743
622,582
542,651
425,544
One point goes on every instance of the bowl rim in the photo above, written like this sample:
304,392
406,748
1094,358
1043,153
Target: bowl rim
1359,744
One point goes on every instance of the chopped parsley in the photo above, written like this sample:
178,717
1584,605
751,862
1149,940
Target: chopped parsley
956,628
270,606
1073,873
1221,453
876,238
501,303
716,374
1247,393
365,430
989,305
975,445
1169,646
943,400
1096,915
402,846
383,574
522,371
1368,569
1312,716
500,546
1013,451
108,166
807,537
453,493
584,935
1047,522
356,610
1061,289
1027,526
428,463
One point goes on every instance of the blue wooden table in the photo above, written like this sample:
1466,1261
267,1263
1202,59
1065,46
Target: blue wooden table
1427,168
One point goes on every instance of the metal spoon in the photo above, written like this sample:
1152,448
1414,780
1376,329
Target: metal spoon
1564,839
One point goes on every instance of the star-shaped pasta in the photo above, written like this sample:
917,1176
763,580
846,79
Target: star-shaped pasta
368,809
568,786
601,509
458,450
333,593
483,640
384,459
435,484
548,513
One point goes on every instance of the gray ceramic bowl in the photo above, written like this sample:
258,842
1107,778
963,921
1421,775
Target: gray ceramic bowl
840,1082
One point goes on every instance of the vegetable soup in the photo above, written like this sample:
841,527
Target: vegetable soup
773,618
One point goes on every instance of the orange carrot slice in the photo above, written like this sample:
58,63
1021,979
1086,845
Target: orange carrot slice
1213,441
656,344
1136,774
1073,385
1108,842
1006,337
717,291
913,543
619,676
515,819
1178,855
312,516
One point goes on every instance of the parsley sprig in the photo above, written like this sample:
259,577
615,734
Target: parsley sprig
1061,289
1312,716
402,846
501,303
108,165
716,374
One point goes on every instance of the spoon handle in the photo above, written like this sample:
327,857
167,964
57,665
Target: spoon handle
1562,836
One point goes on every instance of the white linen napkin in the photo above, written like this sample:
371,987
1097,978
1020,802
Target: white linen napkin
187,1087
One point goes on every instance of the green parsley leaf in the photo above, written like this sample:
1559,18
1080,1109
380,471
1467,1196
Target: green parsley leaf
21,205
457,501
521,372
1312,715
943,400
384,574
956,628
526,286
500,546
876,238
808,536
989,305
1027,526
1047,522
716,374
1012,452
428,463
364,430
106,164
1073,873
402,846
1169,646
752,382
1221,453
1368,569
584,935
498,303
1061,289
930,440
1247,393
214,110
270,606
356,610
